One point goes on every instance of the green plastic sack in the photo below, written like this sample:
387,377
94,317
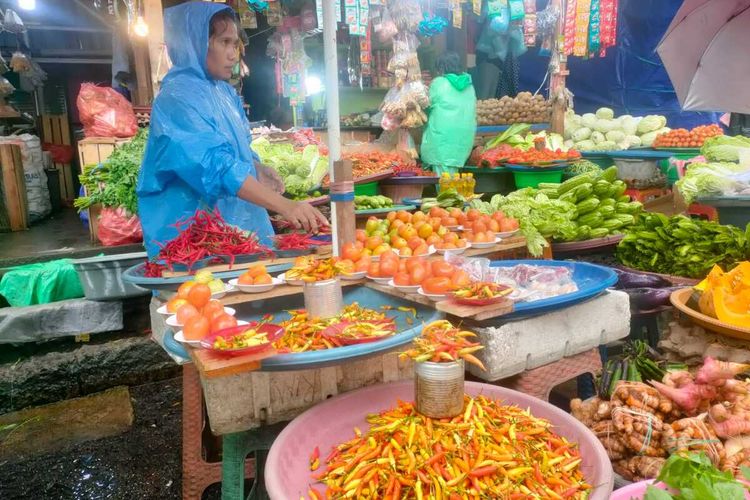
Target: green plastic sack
449,136
41,283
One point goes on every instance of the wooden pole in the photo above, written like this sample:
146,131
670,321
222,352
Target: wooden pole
342,211
153,15
558,71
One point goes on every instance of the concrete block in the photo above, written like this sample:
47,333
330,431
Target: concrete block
528,343
58,319
49,428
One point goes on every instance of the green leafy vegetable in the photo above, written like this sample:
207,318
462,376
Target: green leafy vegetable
112,184
301,171
693,477
710,179
724,147
681,246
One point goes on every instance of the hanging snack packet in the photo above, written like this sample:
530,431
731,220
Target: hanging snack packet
570,27
583,10
594,28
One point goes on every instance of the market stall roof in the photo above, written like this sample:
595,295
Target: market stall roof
705,54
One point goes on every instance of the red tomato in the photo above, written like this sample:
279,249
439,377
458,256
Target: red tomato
437,285
199,295
196,328
223,322
442,269
184,313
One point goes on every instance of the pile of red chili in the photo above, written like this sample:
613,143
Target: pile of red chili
207,234
295,241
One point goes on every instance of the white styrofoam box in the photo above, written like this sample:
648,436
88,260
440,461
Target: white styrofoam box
516,346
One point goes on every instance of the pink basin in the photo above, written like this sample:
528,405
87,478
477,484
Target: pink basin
637,491
287,472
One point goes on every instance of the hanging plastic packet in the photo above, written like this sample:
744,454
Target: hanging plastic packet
529,30
273,14
386,29
476,7
516,9
583,10
500,18
458,15
607,24
257,5
546,24
12,23
19,62
432,26
594,28
570,26
529,6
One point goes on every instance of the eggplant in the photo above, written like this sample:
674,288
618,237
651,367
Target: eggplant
628,279
646,299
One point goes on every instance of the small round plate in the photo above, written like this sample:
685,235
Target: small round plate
272,331
488,244
506,234
163,311
335,331
404,288
432,296
354,276
228,288
172,320
180,335
255,288
282,277
454,251
380,281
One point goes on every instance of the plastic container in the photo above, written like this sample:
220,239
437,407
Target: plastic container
323,299
636,169
439,388
366,189
101,276
734,210
533,178
287,471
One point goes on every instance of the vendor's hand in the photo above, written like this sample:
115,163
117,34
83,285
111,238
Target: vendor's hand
304,216
269,178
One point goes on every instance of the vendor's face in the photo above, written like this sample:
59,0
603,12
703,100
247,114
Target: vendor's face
223,51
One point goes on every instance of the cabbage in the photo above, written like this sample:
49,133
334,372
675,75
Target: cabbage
647,139
605,126
651,123
581,134
606,146
628,125
597,137
588,120
587,145
615,136
303,171
710,179
572,122
605,113
568,144
724,148
633,140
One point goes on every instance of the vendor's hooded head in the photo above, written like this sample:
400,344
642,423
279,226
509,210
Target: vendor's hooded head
203,38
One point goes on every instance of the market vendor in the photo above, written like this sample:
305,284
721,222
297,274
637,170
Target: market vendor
449,136
198,153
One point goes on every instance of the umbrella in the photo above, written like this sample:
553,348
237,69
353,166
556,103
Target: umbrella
705,52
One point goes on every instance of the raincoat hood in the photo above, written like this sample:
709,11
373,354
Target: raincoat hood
459,82
186,29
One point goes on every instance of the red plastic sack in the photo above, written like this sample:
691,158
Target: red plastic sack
105,113
59,152
118,227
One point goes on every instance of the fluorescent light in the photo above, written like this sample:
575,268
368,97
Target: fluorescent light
27,4
313,85
140,28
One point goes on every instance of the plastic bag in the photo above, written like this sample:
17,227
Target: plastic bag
118,227
41,283
59,152
105,113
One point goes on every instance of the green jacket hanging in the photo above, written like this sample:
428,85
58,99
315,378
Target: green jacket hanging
449,136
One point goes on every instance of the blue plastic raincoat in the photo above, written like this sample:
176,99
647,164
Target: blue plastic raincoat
198,152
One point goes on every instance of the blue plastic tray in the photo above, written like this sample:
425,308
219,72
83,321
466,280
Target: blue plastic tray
590,278
366,297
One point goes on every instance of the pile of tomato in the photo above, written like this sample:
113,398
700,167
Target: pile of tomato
683,138
435,276
535,156
197,312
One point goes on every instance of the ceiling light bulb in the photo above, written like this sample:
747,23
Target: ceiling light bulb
140,28
27,4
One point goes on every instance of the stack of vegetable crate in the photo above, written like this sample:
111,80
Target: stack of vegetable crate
93,151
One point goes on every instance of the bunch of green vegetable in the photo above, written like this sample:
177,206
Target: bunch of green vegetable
712,179
681,246
112,184
639,363
601,131
725,147
446,199
588,206
518,136
583,167
372,202
692,476
301,171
